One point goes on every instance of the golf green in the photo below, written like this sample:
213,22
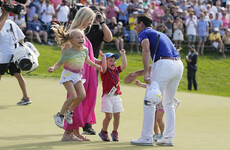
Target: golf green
202,121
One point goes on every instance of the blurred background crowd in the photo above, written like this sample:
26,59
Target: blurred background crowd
201,23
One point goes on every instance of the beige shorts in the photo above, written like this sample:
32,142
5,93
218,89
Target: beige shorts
70,76
111,104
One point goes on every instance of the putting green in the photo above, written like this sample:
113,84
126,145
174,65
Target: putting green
202,121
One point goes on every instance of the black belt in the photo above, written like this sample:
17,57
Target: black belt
171,58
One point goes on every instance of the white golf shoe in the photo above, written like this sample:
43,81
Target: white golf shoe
143,142
165,142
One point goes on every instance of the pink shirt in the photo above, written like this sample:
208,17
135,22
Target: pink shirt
225,22
111,12
157,11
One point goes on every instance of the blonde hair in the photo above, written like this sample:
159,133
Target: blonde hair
84,14
62,34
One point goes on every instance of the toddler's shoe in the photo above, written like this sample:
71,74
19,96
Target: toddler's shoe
68,117
157,137
59,120
143,142
24,101
104,135
165,142
114,136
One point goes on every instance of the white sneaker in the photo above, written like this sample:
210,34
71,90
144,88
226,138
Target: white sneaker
68,117
58,120
142,141
165,142
157,137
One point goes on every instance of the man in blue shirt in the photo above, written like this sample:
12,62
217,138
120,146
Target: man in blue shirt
203,30
36,29
162,79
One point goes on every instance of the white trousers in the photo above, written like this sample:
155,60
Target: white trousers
167,73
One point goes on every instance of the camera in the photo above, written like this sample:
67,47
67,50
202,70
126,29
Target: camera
73,9
16,8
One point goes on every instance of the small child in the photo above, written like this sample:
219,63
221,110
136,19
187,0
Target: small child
73,63
178,36
158,124
111,103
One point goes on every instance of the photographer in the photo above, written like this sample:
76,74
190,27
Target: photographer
191,60
63,12
99,32
10,36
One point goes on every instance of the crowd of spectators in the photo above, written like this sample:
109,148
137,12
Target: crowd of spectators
195,22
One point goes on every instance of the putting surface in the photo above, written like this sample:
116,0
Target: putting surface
202,121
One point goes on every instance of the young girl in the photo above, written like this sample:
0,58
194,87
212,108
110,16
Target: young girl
158,124
73,62
178,34
111,103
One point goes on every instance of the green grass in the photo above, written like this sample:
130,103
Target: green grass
213,75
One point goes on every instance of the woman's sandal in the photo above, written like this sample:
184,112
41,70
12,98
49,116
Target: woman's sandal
71,137
84,138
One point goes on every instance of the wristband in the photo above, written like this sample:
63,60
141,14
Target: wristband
102,22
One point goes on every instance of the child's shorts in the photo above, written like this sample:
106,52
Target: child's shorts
111,104
70,76
159,106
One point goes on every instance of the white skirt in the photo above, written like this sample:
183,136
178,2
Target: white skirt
178,35
70,76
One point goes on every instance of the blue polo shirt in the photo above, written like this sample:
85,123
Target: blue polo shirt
165,47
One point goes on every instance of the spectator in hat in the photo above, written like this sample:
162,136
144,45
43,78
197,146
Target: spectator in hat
216,41
191,60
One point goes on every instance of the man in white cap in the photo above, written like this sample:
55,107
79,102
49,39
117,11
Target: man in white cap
216,41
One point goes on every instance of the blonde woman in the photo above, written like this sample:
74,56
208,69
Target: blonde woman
84,112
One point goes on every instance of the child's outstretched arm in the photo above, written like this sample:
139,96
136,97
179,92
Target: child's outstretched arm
89,62
54,67
124,59
137,82
103,62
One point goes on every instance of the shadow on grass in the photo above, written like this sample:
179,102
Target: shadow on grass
9,106
47,145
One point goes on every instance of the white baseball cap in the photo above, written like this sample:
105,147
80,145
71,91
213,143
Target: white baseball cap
120,23
153,93
216,29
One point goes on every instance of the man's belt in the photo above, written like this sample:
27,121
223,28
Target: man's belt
171,58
